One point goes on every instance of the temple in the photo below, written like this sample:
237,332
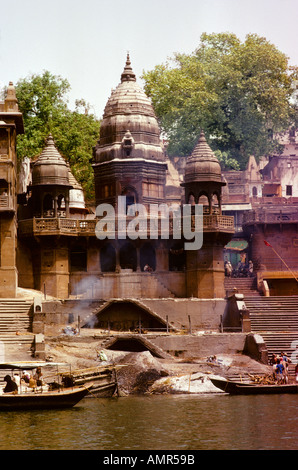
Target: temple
58,249
142,270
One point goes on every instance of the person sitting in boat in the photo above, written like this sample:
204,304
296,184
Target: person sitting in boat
32,383
38,377
26,376
11,386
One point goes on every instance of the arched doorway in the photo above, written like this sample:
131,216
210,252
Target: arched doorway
147,257
128,256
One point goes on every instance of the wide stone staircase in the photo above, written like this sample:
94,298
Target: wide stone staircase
16,337
244,285
276,320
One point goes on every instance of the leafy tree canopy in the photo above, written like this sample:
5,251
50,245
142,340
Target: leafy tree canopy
43,102
238,92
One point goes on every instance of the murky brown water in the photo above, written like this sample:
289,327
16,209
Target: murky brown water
201,422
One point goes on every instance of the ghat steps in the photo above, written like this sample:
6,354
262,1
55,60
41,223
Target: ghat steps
244,285
276,320
15,328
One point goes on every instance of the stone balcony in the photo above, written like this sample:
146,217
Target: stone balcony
263,217
85,227
56,226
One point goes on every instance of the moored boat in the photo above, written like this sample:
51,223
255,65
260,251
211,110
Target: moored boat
66,398
46,396
242,388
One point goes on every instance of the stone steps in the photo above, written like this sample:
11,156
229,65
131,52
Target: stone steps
246,286
15,326
276,320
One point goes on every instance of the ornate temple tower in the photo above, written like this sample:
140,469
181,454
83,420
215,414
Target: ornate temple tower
11,124
50,183
43,257
129,161
128,158
203,184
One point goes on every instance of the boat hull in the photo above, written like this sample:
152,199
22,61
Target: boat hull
44,400
103,391
238,388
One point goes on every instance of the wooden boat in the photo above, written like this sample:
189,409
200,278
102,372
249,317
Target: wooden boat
242,388
43,397
66,398
103,379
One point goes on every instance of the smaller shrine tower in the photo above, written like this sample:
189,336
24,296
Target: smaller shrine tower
203,184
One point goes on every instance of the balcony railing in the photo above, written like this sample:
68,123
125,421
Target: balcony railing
270,217
65,226
55,226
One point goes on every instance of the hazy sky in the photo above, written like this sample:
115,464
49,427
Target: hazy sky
86,41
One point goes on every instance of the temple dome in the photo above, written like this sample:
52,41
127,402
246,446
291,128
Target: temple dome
202,164
129,112
50,168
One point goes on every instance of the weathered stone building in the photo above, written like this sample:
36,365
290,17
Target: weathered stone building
50,242
263,200
11,124
61,254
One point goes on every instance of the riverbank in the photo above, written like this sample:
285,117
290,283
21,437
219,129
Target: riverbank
142,373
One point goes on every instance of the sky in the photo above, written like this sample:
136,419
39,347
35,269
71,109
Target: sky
86,41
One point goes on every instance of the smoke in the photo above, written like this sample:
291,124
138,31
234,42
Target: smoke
85,290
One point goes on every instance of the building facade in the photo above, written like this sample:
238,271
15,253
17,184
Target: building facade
59,249
11,124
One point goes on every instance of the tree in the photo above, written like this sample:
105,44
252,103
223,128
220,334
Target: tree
43,102
238,92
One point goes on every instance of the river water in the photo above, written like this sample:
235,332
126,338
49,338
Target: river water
172,422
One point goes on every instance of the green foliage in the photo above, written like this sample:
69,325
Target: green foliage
42,100
239,93
226,162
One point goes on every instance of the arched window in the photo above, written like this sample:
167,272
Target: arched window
48,206
191,199
254,191
215,203
61,202
131,196
108,258
204,200
147,258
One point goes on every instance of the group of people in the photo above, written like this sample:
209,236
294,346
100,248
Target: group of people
241,270
32,381
280,366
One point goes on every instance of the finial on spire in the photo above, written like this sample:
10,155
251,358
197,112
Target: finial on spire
128,74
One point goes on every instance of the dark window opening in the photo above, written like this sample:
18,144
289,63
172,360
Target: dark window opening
289,190
108,258
128,257
78,260
147,258
177,258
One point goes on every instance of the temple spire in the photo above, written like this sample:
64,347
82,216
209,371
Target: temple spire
128,74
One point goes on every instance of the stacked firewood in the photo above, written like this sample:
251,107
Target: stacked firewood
262,379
